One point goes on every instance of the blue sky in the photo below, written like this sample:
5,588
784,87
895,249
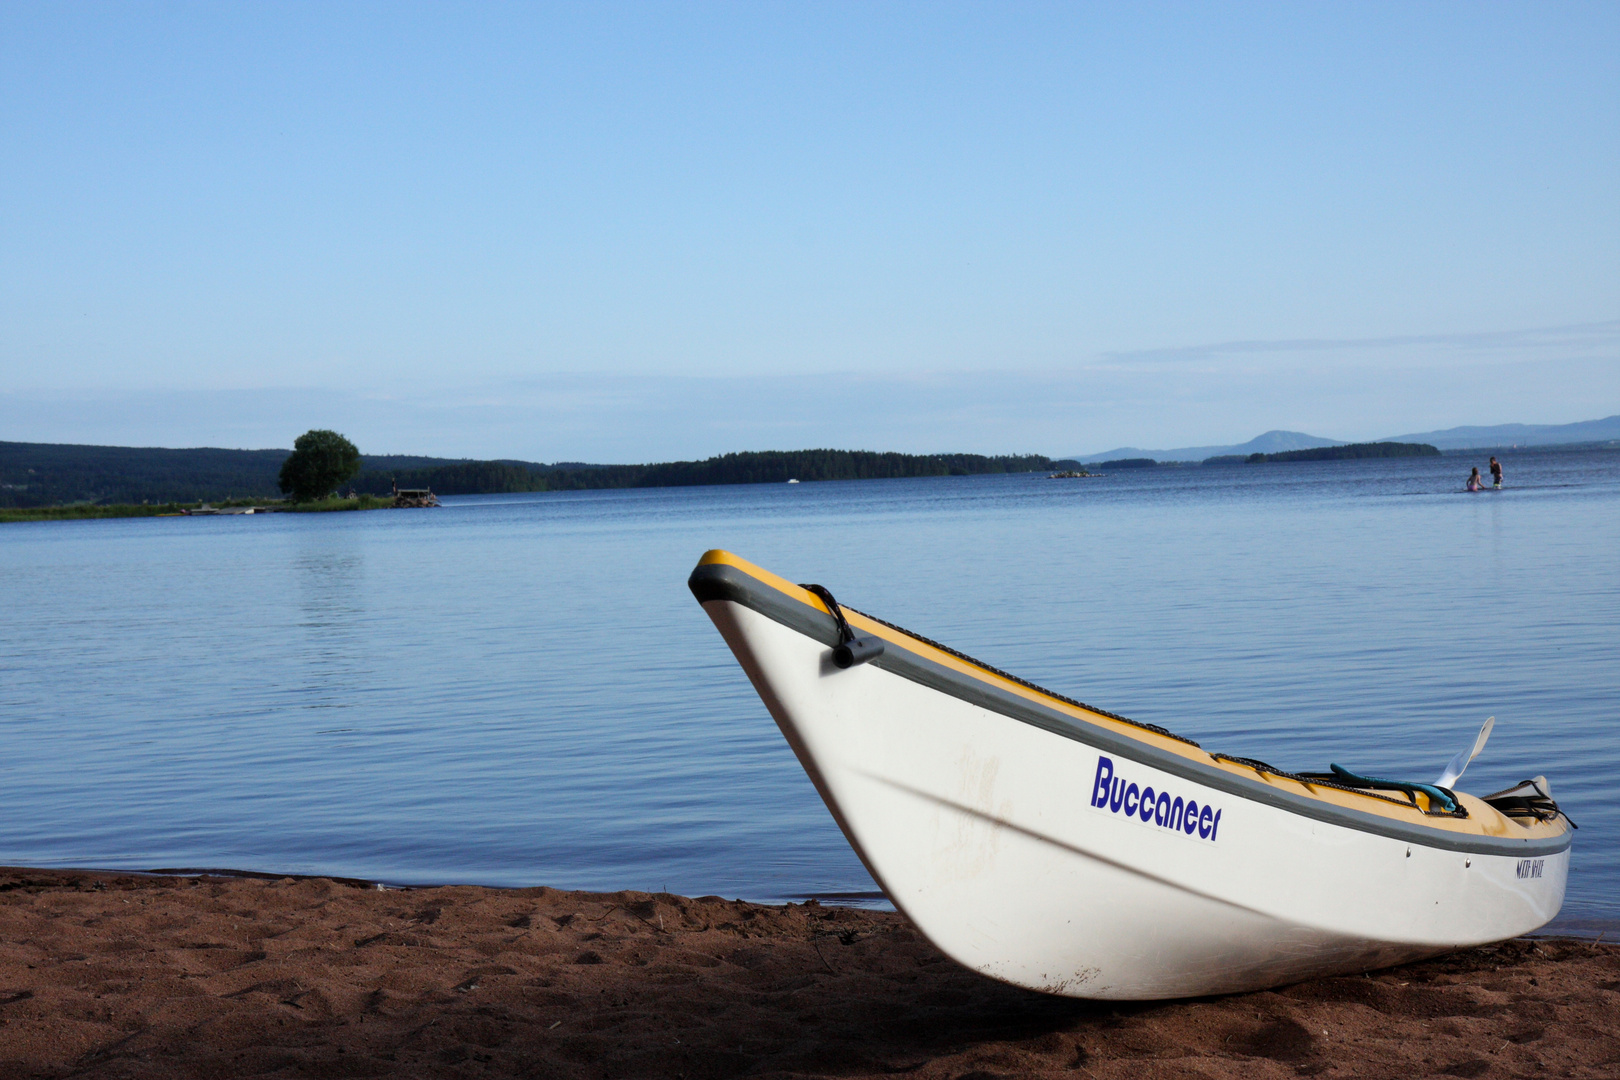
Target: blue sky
638,232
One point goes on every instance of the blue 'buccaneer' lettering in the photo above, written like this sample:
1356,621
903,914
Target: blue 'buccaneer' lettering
1114,793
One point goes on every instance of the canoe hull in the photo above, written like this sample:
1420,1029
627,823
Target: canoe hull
986,831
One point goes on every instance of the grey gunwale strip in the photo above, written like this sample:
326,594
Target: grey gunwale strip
718,581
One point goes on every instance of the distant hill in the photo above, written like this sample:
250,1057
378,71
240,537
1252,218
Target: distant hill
47,474
1272,442
1507,435
409,461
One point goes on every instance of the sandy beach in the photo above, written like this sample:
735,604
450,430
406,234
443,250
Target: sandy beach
108,975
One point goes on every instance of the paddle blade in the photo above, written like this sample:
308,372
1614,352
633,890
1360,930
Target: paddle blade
1454,770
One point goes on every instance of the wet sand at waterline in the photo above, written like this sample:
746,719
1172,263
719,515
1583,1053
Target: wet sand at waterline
107,975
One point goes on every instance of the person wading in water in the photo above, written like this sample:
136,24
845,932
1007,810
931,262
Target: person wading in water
1496,473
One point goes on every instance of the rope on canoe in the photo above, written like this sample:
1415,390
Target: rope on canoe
1528,799
1330,780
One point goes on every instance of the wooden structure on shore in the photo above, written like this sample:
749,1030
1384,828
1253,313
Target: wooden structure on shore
411,498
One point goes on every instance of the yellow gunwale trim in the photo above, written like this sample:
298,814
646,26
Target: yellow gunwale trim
1482,820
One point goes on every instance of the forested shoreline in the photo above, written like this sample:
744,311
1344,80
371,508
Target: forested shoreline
53,474
760,467
1349,451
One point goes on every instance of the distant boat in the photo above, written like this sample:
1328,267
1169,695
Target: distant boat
1066,849
793,481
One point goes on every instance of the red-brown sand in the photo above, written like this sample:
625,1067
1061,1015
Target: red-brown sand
103,975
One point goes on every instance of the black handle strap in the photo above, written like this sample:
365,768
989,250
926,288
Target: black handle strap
845,633
851,649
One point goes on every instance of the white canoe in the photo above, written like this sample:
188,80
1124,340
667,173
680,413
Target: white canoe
1062,848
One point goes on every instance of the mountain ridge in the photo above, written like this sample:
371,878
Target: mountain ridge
1508,435
1270,442
1467,437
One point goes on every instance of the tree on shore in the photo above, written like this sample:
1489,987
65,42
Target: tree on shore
320,461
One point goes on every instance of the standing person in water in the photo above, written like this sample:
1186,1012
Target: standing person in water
1474,482
1496,472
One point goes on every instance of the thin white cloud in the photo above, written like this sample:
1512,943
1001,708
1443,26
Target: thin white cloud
1570,338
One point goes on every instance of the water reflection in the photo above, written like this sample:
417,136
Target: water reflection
329,578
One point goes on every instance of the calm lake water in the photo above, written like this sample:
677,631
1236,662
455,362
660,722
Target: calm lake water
519,690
